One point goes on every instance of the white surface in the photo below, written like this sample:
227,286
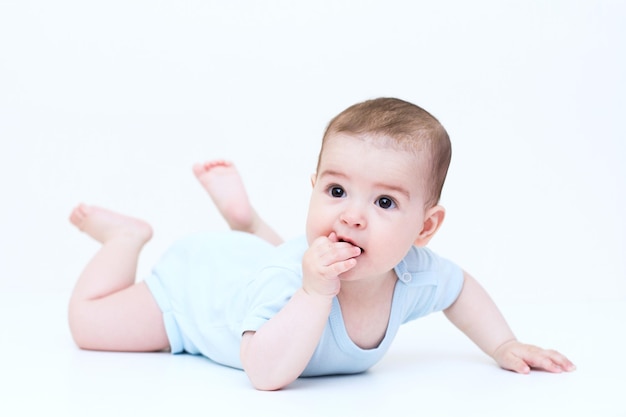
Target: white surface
112,102
431,370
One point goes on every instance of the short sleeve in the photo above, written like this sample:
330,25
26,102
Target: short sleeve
273,286
431,283
267,294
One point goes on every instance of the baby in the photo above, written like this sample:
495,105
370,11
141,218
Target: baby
327,303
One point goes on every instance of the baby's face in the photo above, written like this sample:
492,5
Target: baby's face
370,195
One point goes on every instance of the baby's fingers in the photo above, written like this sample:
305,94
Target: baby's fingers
551,361
342,266
338,256
515,364
521,358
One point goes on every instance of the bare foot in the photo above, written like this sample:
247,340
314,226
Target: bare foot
104,225
223,183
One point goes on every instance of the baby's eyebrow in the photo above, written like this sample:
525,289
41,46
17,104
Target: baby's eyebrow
396,188
332,173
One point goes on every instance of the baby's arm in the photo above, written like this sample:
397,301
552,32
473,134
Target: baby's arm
276,354
476,315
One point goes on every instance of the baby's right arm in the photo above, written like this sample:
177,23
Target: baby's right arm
276,354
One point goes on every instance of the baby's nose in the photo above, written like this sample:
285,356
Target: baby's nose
353,217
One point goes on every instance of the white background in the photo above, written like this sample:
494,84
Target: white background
111,103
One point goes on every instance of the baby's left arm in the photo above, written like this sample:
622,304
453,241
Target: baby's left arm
476,315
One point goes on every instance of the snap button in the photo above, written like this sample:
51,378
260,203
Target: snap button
406,277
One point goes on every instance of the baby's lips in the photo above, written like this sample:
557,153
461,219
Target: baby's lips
347,241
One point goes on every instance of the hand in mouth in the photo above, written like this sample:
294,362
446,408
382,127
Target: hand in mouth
352,243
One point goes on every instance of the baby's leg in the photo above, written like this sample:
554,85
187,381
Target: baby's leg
107,310
223,183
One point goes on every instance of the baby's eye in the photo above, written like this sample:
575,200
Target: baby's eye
336,192
385,203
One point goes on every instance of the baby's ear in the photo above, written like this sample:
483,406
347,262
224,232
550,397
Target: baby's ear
313,177
432,222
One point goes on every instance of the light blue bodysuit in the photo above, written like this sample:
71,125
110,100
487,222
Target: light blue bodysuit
213,287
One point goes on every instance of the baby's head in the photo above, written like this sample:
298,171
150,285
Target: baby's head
401,125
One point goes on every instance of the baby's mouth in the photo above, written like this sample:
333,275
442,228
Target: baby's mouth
352,243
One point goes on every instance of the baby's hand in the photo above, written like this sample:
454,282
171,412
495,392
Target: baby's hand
519,357
324,261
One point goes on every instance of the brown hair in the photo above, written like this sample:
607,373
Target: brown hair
408,126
